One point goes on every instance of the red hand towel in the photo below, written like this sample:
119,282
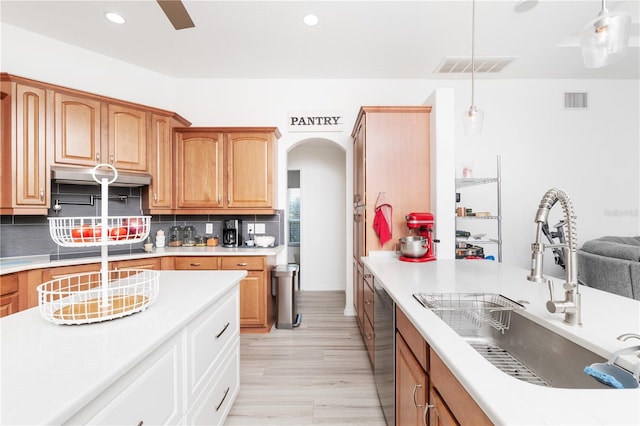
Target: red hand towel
382,224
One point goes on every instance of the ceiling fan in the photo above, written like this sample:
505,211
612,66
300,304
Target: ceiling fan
177,14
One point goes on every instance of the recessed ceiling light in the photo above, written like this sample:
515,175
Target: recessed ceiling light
311,20
115,18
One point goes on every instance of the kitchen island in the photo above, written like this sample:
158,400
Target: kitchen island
504,399
166,364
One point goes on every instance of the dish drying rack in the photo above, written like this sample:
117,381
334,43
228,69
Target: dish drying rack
98,296
463,311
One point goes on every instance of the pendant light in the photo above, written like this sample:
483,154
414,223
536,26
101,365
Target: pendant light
473,118
604,40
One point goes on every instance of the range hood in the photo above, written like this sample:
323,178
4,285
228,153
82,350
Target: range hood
82,176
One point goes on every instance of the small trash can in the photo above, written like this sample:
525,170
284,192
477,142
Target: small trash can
283,287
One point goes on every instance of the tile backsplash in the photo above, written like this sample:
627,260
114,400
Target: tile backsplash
29,235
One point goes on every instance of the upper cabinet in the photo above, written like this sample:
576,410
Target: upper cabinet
77,122
25,181
226,170
89,131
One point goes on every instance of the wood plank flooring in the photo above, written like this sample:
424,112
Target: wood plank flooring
318,373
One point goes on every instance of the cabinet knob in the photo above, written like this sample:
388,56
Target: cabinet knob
367,302
368,275
111,159
98,157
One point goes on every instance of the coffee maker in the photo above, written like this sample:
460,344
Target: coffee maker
423,222
231,233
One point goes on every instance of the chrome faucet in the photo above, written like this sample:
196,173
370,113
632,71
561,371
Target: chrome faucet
571,305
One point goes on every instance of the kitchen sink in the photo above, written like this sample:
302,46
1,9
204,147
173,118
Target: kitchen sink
513,343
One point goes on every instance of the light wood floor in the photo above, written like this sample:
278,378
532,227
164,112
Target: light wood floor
318,373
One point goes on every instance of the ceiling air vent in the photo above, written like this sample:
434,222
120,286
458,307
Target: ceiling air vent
576,100
484,64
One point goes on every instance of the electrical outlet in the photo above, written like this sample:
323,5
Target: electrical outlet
260,229
250,228
209,228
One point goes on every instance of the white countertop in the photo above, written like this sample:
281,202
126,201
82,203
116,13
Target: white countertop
51,371
504,399
23,263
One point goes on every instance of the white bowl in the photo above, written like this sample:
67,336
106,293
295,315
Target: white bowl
264,240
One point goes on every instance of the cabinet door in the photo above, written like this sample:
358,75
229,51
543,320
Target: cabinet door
250,159
160,163
439,414
411,386
31,179
200,165
359,293
253,300
77,123
127,138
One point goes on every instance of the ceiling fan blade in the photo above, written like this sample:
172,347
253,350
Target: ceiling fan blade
177,14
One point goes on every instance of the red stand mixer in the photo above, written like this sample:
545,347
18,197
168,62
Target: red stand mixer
423,222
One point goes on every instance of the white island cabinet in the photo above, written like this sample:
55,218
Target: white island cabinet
175,363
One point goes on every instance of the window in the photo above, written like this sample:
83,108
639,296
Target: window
293,200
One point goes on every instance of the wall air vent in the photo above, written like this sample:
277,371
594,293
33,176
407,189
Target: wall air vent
576,100
484,64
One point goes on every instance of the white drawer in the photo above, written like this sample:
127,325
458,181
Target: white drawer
207,338
150,394
221,391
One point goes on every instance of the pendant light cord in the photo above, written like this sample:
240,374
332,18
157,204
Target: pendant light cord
473,51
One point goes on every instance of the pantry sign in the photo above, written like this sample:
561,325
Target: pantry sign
316,121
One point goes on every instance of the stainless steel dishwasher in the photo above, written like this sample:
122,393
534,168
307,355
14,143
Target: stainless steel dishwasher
385,352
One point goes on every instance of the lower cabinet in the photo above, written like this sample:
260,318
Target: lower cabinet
427,393
256,301
192,379
9,300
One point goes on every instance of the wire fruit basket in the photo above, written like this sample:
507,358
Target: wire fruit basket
470,310
98,296
79,298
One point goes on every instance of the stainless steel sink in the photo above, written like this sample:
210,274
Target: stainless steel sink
490,323
532,353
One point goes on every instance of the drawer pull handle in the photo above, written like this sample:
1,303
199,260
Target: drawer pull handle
223,330
195,263
223,398
415,388
367,302
242,264
426,411
368,276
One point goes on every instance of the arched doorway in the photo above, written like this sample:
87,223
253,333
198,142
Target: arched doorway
322,230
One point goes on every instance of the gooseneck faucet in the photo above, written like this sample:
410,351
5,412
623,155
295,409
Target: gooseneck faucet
571,305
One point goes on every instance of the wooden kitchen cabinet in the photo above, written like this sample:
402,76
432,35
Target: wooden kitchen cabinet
256,301
152,263
196,262
78,126
226,170
127,137
391,156
9,299
368,320
200,169
24,172
426,390
157,198
358,292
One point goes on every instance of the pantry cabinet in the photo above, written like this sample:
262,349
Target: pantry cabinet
24,176
226,170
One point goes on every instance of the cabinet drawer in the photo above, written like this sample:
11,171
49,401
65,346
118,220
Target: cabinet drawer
196,262
207,339
213,406
150,394
368,302
414,339
249,263
8,284
9,304
369,337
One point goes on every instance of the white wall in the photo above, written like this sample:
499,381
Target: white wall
594,154
322,206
